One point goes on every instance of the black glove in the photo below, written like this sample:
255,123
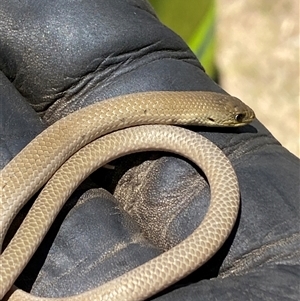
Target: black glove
59,56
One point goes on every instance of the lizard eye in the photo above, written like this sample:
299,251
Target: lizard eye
239,117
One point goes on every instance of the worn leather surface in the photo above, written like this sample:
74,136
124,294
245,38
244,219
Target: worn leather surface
58,56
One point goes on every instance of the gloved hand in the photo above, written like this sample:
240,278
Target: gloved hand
59,56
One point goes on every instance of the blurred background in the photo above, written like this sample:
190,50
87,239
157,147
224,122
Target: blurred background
251,47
